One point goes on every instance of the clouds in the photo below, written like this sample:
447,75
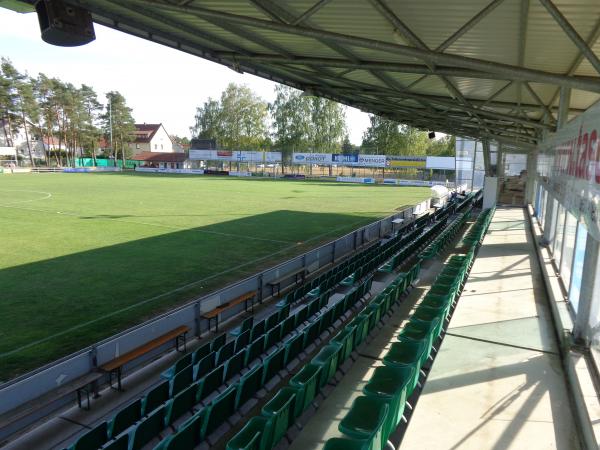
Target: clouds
159,83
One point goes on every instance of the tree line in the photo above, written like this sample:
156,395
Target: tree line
75,121
71,121
293,122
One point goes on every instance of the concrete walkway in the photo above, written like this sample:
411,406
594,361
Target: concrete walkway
497,381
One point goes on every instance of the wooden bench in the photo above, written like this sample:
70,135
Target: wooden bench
116,365
214,314
277,282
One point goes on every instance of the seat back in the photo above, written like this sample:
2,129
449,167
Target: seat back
204,366
248,385
156,397
210,383
219,410
93,439
234,365
281,409
148,428
255,349
242,341
225,352
273,364
181,403
182,380
126,417
218,342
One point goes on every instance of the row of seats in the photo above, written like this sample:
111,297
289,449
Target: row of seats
479,228
375,415
250,383
446,236
263,432
207,368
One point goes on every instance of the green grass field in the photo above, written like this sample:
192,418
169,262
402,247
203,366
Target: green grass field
83,256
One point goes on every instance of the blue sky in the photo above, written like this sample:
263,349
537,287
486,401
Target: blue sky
159,83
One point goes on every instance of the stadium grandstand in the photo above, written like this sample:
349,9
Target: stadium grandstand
471,324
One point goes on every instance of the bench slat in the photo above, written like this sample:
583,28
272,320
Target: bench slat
141,350
236,301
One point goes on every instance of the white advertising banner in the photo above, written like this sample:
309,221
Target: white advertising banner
235,156
570,164
440,162
312,158
8,151
356,180
158,170
371,161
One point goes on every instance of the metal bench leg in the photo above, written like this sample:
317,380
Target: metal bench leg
119,372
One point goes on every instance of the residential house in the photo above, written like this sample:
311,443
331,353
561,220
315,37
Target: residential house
151,138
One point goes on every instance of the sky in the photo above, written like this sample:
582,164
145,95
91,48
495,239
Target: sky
160,84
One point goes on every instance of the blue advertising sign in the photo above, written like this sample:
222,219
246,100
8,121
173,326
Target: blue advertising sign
344,159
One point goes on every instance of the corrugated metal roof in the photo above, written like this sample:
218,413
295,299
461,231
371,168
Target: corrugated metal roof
388,57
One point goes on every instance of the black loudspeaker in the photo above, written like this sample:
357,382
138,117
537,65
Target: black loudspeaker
64,25
431,135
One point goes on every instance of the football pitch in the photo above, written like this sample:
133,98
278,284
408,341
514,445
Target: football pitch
84,256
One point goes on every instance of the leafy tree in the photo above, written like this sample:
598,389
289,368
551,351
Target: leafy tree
328,120
117,120
208,121
291,121
237,121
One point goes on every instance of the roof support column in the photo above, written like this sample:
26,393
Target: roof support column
487,163
563,107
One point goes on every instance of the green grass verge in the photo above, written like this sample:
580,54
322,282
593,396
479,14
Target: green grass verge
84,256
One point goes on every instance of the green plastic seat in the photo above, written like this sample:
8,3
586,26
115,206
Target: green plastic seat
246,325
273,336
182,380
407,353
327,359
392,385
306,382
258,329
178,366
93,439
255,349
187,435
311,333
293,347
427,315
225,352
287,326
366,420
204,366
415,330
156,397
218,342
361,322
273,364
181,403
201,352
242,341
248,385
219,410
344,443
271,321
126,417
257,434
209,383
120,443
281,409
234,365
345,338
148,428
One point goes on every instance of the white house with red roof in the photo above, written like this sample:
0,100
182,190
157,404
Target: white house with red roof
151,137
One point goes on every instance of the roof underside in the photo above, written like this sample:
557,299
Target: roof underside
476,68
